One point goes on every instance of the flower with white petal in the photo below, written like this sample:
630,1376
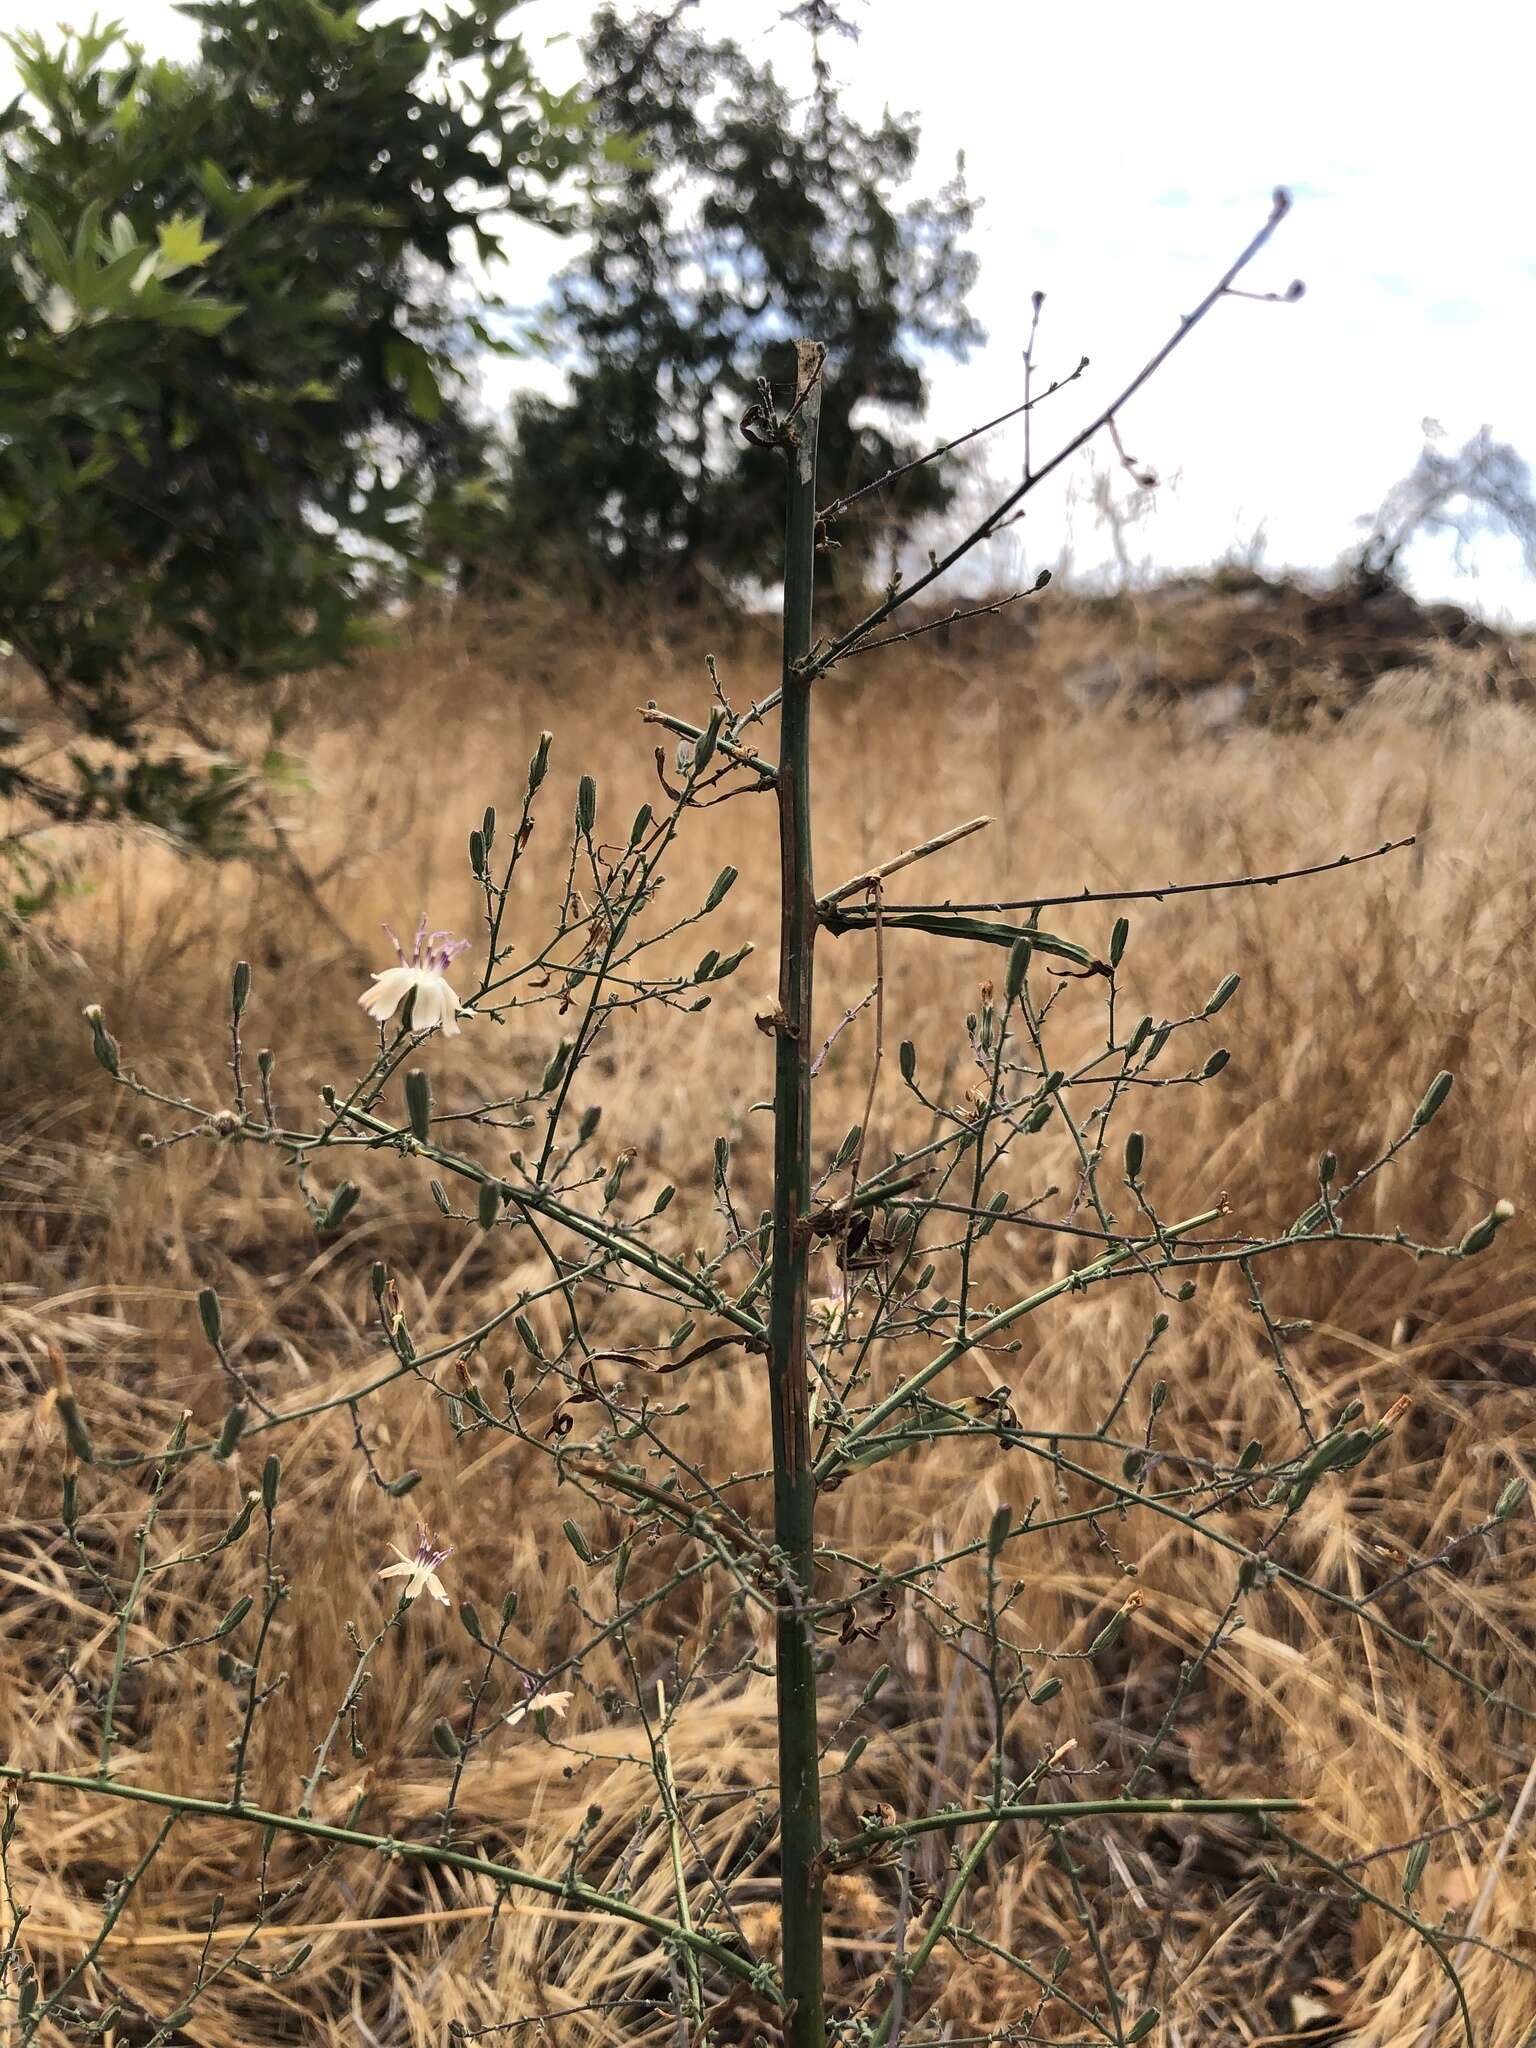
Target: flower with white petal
832,1312
422,974
420,1571
540,1702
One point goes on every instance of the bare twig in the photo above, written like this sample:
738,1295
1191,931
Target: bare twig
871,876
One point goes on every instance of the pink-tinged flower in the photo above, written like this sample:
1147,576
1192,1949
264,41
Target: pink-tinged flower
540,1702
420,1571
422,975
832,1312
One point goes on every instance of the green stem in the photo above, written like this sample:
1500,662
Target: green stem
794,1485
948,1906
570,1890
1051,1813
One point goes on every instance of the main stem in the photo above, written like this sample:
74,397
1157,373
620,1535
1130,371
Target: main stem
794,1484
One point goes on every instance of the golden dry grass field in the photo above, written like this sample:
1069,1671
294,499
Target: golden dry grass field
1356,989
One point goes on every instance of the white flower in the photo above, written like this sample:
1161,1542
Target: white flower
832,1311
420,1571
421,976
540,1703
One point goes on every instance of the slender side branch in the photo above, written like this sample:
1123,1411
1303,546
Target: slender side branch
901,860
567,1888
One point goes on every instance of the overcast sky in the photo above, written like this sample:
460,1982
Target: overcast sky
1123,153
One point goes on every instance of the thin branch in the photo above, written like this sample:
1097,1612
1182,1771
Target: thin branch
431,1853
871,876
953,618
989,525
1322,867
879,483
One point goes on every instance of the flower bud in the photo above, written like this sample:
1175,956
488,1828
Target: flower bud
1135,1152
721,888
556,1066
874,1685
1046,1690
1510,1501
577,1541
586,805
488,1204
1215,1063
708,740
271,1475
730,963
212,1316
408,1482
1226,989
239,989
103,1044
233,1619
444,1741
418,1103
76,1434
908,1059
342,1203
231,1433
1018,968
538,767
242,1521
1481,1235
477,855
1327,1167
1434,1100
1110,1633
1117,939
997,1532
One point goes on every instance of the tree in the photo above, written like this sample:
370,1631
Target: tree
751,216
1483,487
229,397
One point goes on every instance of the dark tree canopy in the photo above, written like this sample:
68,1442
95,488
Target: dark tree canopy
752,216
228,395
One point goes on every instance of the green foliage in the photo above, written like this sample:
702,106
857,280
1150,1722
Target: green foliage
752,216
230,401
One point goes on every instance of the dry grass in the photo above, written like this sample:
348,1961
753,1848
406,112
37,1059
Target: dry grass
1356,990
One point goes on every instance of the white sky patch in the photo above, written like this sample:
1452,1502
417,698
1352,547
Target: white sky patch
1123,154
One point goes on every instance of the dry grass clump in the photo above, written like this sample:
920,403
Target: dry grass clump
1356,989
